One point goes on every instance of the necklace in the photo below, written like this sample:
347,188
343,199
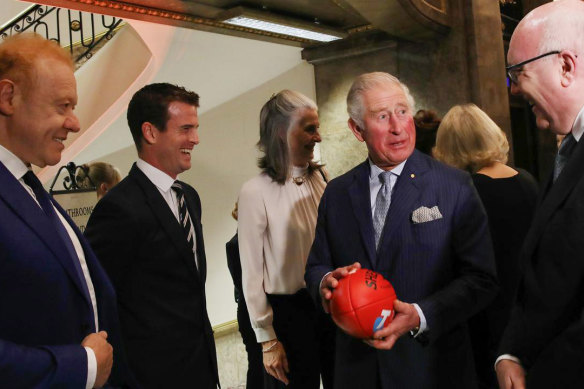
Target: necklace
299,180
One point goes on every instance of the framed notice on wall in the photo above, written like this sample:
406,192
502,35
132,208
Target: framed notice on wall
75,192
77,204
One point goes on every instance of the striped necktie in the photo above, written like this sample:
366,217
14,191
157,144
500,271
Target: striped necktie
563,155
183,214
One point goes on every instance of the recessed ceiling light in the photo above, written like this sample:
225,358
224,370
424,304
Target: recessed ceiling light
270,22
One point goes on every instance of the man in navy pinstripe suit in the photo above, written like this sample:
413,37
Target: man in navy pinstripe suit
423,228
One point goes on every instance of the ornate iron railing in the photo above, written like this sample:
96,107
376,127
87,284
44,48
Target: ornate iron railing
76,30
76,179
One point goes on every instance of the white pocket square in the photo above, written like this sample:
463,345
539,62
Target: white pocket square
425,214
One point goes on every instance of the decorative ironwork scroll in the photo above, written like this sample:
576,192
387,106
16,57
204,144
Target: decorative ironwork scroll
76,179
80,32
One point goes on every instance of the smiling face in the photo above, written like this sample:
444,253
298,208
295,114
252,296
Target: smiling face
538,82
389,130
42,115
303,136
171,149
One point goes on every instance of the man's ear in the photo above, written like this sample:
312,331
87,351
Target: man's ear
568,61
7,88
149,133
357,131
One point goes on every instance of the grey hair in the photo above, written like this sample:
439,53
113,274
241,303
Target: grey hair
367,82
276,118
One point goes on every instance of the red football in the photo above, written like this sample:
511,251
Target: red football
362,303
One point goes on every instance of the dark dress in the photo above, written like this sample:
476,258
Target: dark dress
510,204
255,364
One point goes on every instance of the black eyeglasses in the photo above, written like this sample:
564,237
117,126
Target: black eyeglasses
514,70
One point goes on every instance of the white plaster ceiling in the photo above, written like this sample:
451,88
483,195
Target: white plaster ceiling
10,9
218,67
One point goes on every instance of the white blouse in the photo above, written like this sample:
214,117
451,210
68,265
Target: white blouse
276,226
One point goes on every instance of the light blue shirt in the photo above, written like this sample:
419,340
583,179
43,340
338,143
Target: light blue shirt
374,187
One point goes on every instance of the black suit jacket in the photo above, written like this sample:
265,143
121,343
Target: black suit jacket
445,265
161,294
234,265
546,329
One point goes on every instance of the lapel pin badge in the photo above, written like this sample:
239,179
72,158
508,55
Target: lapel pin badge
412,175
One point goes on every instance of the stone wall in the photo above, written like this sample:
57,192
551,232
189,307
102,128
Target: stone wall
464,65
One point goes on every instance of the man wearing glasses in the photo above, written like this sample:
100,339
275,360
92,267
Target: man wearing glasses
543,344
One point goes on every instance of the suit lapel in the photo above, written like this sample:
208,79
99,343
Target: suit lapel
23,205
165,216
194,212
555,195
360,196
404,196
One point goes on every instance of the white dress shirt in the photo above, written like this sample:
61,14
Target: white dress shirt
163,183
18,170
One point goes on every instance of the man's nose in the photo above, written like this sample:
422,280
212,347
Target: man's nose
72,123
394,126
317,137
194,138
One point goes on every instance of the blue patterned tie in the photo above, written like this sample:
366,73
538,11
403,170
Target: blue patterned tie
382,205
566,148
45,202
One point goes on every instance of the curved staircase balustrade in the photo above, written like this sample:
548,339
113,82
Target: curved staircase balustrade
80,32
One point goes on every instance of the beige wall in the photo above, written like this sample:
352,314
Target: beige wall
221,163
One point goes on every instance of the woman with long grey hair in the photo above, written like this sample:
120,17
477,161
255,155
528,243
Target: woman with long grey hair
277,219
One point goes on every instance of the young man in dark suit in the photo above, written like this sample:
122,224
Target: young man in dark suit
58,317
421,225
543,344
147,233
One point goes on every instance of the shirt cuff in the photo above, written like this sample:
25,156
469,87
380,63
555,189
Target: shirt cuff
507,357
264,334
321,281
423,325
91,368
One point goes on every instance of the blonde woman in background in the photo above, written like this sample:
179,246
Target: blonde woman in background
103,175
468,139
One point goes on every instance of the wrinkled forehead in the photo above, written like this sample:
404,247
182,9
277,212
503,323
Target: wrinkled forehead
54,79
48,69
386,94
